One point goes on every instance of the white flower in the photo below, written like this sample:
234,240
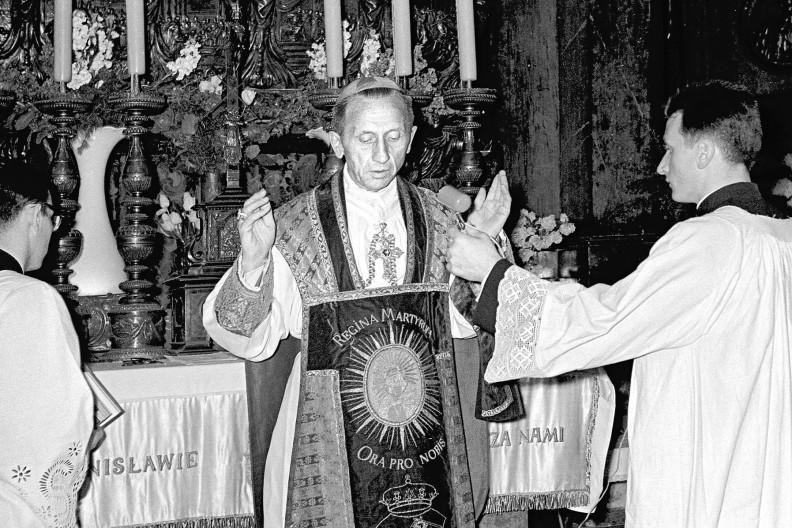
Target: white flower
188,201
248,96
213,85
175,218
519,235
80,76
318,54
526,254
164,204
347,37
548,223
194,220
783,187
187,61
567,229
371,52
318,63
169,224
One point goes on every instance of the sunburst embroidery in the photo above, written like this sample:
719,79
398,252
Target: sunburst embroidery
392,388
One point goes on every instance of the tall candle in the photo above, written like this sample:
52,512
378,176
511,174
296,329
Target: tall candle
402,45
63,41
334,43
466,35
136,37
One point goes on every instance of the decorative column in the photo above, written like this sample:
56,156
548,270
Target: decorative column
471,103
138,323
62,108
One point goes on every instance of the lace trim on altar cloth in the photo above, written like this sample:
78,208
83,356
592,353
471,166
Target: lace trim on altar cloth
240,310
52,494
521,296
228,521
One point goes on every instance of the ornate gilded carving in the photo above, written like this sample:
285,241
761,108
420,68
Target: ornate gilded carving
24,41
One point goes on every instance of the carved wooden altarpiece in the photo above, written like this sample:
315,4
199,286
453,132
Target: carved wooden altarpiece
258,44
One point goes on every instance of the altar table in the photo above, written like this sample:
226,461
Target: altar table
179,455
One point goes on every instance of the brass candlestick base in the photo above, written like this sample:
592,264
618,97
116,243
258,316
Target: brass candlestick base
471,103
63,108
138,324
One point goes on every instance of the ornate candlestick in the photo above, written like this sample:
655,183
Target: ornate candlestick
325,100
62,108
471,103
138,325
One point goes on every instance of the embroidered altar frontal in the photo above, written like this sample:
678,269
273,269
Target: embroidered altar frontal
379,411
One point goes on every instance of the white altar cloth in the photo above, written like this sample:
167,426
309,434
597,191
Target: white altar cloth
179,453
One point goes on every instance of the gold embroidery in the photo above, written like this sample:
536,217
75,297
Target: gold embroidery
240,310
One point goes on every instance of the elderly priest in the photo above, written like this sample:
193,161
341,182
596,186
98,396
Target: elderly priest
369,431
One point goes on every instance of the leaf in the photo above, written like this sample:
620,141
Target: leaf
189,124
252,151
25,120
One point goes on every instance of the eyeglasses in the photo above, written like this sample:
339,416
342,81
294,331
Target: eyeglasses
55,217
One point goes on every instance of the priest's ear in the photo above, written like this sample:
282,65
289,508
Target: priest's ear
705,151
335,144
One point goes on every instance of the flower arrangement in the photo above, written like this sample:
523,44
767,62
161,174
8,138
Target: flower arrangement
533,234
93,37
178,220
318,53
377,60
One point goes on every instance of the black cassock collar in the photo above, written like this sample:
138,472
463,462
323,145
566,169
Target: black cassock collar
744,195
8,262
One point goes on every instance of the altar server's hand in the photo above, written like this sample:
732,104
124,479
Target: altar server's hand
256,226
471,255
490,210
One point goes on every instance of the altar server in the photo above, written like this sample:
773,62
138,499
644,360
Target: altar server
707,318
46,407
351,276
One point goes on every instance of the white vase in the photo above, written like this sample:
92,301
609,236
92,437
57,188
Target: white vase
99,268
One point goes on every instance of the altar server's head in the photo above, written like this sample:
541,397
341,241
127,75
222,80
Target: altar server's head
712,137
27,214
372,130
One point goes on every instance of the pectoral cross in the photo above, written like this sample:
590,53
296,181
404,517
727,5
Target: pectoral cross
383,246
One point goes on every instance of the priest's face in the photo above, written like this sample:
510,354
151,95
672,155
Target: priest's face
374,142
679,162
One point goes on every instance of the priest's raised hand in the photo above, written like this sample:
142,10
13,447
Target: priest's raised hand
256,226
490,210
